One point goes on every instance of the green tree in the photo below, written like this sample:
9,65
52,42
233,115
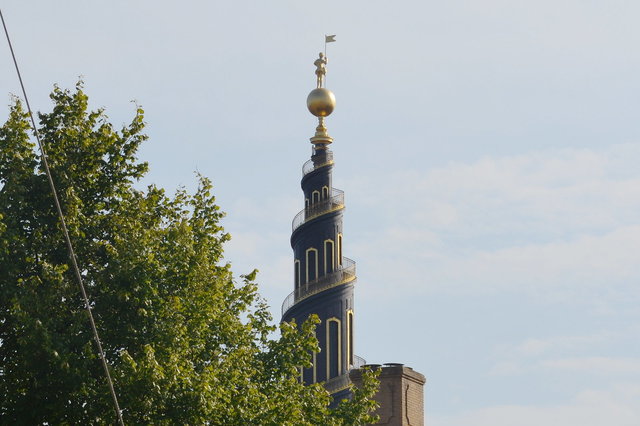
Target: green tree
187,343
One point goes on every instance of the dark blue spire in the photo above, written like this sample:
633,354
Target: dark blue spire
323,276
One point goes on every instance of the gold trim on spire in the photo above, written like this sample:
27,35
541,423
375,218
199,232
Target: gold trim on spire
321,103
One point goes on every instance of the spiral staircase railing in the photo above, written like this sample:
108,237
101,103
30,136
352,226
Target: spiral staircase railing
308,166
358,362
336,202
341,382
337,383
344,274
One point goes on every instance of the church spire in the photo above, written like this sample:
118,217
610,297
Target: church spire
323,277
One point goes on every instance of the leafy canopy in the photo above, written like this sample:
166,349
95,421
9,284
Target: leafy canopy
187,343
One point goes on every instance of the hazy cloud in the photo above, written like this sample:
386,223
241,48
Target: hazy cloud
557,219
615,406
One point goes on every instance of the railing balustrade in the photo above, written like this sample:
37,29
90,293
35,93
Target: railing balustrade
344,274
358,362
342,382
314,210
337,383
308,167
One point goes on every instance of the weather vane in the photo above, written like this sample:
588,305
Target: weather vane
321,101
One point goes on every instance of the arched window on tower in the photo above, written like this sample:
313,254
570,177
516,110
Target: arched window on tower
306,203
329,257
333,348
325,192
312,264
315,197
339,249
296,273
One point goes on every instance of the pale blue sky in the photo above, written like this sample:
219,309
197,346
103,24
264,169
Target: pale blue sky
488,151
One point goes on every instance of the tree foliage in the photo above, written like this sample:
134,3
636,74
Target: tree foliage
187,343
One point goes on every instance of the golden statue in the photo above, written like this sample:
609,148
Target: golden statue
321,69
321,103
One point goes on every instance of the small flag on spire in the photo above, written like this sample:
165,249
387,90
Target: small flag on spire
329,38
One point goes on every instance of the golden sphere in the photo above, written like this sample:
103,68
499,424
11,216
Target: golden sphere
321,102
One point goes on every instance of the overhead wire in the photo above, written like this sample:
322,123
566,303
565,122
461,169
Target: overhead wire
72,254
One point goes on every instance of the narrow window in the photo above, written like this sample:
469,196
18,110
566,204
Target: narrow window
340,249
333,348
315,197
325,192
329,264
312,264
296,273
306,203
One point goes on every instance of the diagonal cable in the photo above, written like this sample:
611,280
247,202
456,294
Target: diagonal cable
72,254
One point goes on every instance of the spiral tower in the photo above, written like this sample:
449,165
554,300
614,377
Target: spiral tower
323,277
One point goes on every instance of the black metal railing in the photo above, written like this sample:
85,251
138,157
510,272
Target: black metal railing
319,208
344,274
358,362
341,382
308,167
337,383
